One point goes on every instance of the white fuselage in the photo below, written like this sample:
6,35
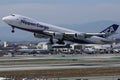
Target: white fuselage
25,23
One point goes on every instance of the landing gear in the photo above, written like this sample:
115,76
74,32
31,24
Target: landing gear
13,30
60,41
51,40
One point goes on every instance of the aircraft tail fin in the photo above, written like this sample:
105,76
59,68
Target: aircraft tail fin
110,30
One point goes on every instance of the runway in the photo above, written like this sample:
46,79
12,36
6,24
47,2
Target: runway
58,62
60,66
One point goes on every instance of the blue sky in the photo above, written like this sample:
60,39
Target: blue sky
59,1
62,11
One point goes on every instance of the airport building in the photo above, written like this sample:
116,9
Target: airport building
58,49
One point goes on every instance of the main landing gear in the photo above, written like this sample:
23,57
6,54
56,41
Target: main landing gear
51,40
13,30
60,41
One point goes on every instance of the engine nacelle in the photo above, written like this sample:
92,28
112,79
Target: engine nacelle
79,36
58,35
36,35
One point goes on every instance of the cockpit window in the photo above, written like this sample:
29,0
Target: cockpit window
12,15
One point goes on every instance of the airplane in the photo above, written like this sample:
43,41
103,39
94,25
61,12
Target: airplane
44,30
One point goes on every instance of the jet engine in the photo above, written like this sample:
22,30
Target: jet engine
79,36
58,35
36,35
55,35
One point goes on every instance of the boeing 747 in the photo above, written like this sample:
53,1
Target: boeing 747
43,30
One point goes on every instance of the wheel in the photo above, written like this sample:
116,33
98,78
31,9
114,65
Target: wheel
12,31
60,41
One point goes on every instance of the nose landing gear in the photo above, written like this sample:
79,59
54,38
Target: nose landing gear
13,30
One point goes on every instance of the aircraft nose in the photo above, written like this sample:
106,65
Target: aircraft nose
4,19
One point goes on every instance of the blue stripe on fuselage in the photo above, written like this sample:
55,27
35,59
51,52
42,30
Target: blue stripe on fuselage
41,32
81,41
32,30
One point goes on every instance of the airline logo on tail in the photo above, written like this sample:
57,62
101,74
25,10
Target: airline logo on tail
110,30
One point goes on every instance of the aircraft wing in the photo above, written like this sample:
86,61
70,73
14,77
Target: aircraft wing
71,35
